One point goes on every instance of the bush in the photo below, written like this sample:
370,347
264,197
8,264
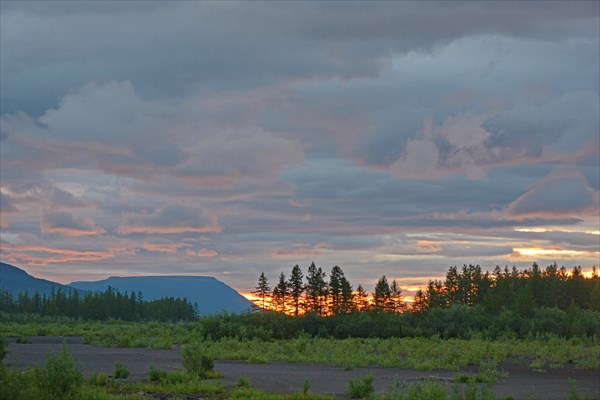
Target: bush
194,362
98,379
155,374
361,387
243,383
59,379
121,371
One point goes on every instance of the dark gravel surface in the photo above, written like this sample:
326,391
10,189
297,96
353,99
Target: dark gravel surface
520,383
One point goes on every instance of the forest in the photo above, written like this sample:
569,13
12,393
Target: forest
469,302
100,306
514,289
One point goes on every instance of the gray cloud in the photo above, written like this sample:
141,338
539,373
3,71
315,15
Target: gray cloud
64,223
228,138
561,193
214,45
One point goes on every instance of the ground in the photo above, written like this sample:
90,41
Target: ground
520,382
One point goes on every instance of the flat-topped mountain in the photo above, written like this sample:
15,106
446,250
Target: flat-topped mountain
211,295
14,280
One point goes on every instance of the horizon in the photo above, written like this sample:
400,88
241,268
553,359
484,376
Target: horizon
226,139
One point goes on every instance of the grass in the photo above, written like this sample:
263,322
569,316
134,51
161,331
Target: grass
415,353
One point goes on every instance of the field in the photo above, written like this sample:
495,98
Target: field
543,367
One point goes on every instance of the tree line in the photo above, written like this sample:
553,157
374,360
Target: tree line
110,304
519,290
323,297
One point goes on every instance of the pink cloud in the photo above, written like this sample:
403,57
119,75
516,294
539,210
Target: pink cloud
64,223
201,253
43,255
562,193
162,247
301,250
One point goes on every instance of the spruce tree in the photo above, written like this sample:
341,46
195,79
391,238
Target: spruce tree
296,288
281,294
262,289
361,299
382,295
316,290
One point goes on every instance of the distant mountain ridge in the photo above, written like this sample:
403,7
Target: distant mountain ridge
14,280
211,295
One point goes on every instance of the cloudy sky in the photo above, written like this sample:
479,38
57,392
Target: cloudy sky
226,138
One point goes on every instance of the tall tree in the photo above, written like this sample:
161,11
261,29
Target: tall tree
361,299
336,278
382,295
347,304
420,302
316,290
281,293
262,289
296,288
396,304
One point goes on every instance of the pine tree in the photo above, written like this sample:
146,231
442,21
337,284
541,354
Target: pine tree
396,303
347,297
361,299
281,294
382,295
262,289
296,288
335,289
420,301
316,290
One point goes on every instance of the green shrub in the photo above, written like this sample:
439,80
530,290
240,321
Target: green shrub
155,374
361,387
59,379
98,379
195,362
305,387
121,371
243,383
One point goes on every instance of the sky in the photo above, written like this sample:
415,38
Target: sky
234,138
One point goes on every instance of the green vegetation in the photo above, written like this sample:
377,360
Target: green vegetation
553,320
121,371
58,380
361,387
436,390
98,306
197,363
243,337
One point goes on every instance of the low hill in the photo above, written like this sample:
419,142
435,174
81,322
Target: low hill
14,280
211,295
